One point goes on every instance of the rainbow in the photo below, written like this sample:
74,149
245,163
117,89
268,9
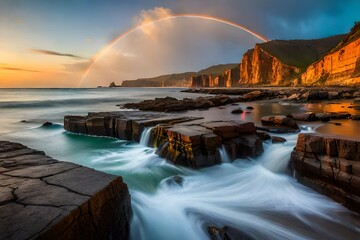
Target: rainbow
104,50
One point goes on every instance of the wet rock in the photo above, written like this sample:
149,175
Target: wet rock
249,108
169,104
333,95
263,136
329,165
304,117
280,121
355,117
47,124
339,115
75,124
317,95
43,198
244,146
175,180
322,117
227,233
275,139
294,96
252,95
237,111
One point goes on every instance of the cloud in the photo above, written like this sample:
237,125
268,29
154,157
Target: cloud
147,16
19,69
53,53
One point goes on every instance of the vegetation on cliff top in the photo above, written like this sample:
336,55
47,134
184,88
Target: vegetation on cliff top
300,53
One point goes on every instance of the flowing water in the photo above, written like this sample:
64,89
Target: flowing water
255,196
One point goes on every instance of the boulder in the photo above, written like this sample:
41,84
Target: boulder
279,120
237,111
304,117
333,95
317,95
263,136
322,117
355,117
339,115
294,96
252,95
47,124
275,139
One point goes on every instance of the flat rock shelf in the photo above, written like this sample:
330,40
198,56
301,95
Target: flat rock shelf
188,141
43,198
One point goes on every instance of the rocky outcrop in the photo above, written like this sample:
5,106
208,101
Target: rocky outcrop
260,67
341,66
42,198
192,142
169,104
329,165
202,81
228,78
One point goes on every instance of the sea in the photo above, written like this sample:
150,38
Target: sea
256,196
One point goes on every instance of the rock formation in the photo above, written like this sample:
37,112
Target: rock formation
260,67
279,62
192,142
329,165
42,198
341,66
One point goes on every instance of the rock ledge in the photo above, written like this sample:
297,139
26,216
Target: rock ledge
42,198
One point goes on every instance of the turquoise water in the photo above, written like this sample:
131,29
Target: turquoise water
255,196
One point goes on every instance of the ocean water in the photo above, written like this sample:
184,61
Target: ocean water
255,196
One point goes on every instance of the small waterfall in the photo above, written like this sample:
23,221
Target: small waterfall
145,136
224,155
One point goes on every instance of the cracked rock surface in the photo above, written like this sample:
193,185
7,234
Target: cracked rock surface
42,198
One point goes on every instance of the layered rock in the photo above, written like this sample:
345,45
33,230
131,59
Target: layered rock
202,81
339,67
279,62
260,67
187,141
42,198
228,78
329,165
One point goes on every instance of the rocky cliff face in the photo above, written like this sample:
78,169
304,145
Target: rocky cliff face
260,67
341,67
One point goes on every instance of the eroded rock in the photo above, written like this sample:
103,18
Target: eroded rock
42,198
329,165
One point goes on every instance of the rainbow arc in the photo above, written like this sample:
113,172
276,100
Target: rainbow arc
104,50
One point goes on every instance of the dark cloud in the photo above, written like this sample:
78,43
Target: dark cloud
53,53
19,69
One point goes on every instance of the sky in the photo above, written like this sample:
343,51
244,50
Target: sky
53,43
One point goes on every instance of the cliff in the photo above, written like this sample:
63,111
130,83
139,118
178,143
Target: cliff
227,78
42,198
278,62
179,79
260,67
341,66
